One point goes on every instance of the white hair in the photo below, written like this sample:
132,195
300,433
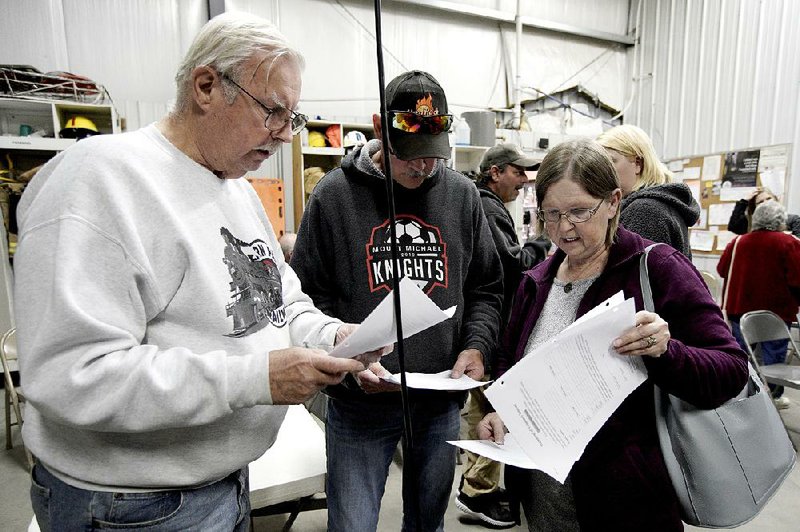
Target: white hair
225,43
769,216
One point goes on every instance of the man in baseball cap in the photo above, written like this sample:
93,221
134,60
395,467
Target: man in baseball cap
417,109
344,261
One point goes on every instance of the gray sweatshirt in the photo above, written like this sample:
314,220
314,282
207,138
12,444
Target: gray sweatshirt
149,296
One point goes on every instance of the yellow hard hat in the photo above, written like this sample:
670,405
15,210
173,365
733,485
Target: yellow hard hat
316,139
78,127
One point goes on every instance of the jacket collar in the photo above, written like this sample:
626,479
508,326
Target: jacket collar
626,246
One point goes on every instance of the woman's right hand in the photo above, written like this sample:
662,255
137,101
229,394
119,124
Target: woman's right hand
491,427
755,192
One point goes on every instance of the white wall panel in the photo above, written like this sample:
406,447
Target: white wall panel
33,33
465,53
602,15
133,47
718,75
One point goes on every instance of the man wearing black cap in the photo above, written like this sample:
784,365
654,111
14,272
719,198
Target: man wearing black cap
502,177
343,259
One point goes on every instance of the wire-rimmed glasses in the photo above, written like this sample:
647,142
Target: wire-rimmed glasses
575,216
277,117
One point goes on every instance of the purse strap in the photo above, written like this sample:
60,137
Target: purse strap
724,302
644,279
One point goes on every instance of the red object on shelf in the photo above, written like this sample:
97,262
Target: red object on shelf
26,82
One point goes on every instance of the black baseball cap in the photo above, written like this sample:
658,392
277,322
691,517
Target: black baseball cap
507,153
417,92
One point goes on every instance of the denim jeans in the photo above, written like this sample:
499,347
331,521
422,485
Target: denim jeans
362,437
221,506
772,352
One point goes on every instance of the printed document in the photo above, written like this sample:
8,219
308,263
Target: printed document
436,381
379,329
558,396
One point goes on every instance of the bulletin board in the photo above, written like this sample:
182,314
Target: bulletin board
719,180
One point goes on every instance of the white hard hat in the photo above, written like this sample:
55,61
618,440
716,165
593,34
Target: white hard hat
354,138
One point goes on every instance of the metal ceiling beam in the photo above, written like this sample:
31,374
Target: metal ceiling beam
531,22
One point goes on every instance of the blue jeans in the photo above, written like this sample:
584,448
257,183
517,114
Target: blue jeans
772,352
221,506
361,438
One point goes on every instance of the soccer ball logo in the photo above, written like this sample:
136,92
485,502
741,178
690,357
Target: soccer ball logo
410,232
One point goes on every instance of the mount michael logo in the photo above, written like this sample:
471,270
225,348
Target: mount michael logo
421,252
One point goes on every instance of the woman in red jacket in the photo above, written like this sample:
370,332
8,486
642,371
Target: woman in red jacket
765,276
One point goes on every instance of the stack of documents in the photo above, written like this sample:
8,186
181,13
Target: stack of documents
562,392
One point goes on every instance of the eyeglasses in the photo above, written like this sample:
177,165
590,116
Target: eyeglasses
575,216
424,124
277,117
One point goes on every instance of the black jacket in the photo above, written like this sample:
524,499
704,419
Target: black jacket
516,258
662,213
343,257
739,223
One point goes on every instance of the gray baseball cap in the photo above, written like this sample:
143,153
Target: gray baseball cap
507,153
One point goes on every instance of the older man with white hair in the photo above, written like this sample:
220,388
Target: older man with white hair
157,318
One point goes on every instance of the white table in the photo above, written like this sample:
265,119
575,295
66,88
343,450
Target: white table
289,477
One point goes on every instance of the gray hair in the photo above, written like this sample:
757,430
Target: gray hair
769,216
585,162
225,44
484,178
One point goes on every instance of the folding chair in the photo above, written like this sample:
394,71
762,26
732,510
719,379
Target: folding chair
712,283
762,326
13,394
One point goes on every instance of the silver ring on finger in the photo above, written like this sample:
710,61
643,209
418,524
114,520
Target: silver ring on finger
651,341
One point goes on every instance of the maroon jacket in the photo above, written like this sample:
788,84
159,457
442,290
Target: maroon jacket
765,275
620,481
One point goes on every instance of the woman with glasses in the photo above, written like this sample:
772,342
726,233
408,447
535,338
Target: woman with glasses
620,481
652,205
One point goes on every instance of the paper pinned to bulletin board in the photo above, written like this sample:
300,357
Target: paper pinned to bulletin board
719,180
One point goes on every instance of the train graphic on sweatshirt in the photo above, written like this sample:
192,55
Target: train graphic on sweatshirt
255,285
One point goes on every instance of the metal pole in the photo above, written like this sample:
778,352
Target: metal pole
409,469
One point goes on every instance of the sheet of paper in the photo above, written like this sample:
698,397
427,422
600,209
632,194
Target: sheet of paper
728,193
702,222
380,327
774,157
436,381
691,172
712,164
701,240
556,398
723,239
509,453
720,213
675,166
694,186
612,301
774,180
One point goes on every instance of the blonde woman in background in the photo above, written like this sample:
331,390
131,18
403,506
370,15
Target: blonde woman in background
653,205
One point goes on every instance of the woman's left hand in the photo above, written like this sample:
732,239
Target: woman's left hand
649,337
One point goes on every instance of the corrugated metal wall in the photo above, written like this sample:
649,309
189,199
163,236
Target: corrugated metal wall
717,75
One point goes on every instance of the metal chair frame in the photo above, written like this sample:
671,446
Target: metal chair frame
13,394
762,326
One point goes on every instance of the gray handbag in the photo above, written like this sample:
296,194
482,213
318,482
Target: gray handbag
724,463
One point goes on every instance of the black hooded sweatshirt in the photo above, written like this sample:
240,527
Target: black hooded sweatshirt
662,213
343,257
